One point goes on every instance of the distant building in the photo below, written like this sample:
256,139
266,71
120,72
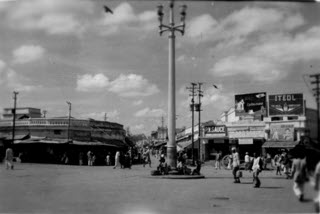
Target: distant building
21,113
46,139
159,137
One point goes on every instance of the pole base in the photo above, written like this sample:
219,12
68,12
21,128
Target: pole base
173,172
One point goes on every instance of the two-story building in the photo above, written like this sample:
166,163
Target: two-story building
47,139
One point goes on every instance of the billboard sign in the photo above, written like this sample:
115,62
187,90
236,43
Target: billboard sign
254,104
282,132
286,104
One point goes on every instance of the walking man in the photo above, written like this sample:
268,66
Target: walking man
117,160
299,172
147,158
256,169
9,158
217,163
247,160
89,155
236,165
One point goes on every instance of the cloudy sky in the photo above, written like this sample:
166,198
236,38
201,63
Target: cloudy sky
53,51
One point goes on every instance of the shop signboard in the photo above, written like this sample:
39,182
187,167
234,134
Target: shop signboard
282,132
286,104
254,104
215,131
246,132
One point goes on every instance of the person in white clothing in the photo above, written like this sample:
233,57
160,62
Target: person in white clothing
247,160
117,159
9,158
235,165
317,188
256,169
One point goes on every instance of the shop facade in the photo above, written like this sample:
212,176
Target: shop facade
214,140
246,136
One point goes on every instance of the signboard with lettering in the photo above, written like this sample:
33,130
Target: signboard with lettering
246,104
215,131
286,104
282,132
246,132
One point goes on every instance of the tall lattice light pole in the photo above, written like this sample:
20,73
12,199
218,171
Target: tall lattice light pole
172,28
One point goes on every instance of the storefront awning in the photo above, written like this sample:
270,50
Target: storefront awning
185,144
45,140
160,143
280,144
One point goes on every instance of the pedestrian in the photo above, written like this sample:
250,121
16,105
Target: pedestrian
247,161
217,163
235,165
117,159
65,158
181,163
317,188
286,165
147,158
93,159
108,159
229,161
80,158
89,156
130,156
278,159
256,169
9,158
299,173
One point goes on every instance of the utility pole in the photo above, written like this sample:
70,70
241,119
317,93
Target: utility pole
192,90
105,116
15,93
162,129
317,94
44,112
69,103
199,110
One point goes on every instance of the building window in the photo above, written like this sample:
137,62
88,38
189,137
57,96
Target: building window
57,132
293,118
276,118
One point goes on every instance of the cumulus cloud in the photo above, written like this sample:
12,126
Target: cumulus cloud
147,112
112,115
89,82
137,102
137,128
53,17
242,23
3,66
28,53
124,17
271,59
132,85
18,82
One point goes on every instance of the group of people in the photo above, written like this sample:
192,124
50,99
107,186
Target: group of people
122,160
254,164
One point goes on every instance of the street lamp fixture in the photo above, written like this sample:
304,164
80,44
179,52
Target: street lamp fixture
171,27
160,15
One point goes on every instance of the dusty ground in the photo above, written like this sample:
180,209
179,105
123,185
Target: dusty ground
37,188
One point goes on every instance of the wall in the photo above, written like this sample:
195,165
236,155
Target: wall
312,123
